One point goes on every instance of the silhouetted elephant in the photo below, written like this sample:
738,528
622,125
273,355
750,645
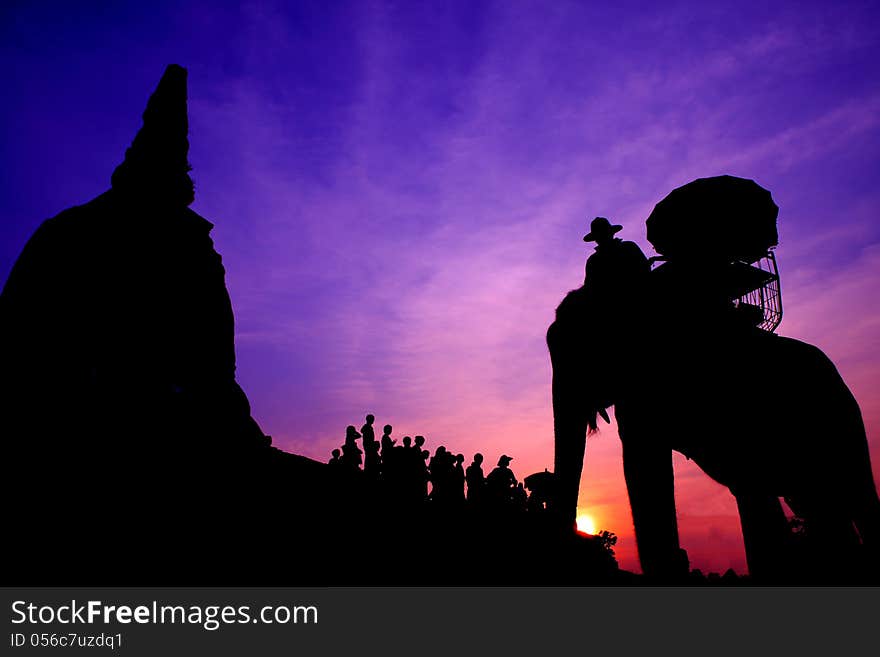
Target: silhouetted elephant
764,415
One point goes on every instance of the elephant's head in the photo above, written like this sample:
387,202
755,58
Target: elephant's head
580,393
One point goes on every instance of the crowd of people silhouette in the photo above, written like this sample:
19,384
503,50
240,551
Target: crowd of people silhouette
408,474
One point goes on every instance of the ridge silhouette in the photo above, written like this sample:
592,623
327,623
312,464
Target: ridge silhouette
124,428
688,366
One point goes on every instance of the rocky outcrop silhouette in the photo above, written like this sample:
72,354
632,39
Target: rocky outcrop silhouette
122,421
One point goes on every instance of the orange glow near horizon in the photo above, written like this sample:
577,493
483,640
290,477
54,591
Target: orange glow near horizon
586,524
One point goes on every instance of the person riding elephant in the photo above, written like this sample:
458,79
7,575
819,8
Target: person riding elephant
615,284
616,268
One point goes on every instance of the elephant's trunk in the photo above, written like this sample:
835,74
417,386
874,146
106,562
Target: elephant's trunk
569,425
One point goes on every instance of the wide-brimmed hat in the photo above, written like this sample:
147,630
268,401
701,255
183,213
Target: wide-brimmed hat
601,227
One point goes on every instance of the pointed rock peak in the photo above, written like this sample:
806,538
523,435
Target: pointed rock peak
155,166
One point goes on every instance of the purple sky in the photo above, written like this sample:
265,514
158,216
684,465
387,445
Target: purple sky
400,189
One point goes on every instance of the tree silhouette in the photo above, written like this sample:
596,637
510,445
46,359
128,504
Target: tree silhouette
607,540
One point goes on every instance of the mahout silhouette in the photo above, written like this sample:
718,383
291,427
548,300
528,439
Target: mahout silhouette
767,416
615,271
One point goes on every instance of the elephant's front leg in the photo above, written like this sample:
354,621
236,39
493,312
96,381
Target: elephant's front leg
647,468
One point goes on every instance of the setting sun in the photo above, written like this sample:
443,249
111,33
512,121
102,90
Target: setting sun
586,524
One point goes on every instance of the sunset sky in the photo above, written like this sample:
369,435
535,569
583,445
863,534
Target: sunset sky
400,190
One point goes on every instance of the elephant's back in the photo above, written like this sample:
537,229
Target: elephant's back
763,407
809,419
